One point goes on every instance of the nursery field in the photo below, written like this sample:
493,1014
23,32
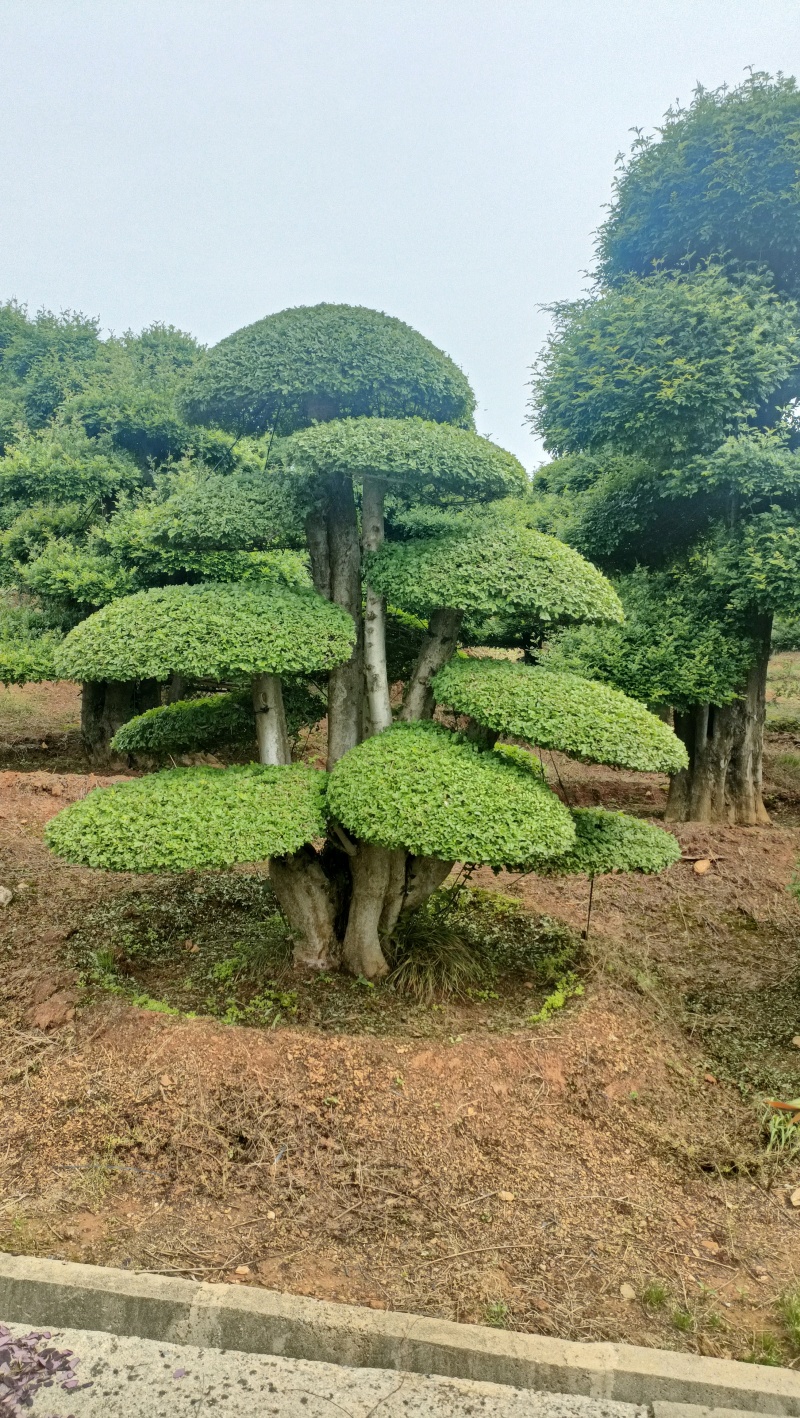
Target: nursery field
573,1143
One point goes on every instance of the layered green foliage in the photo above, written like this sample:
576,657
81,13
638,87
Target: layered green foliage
613,841
212,630
410,454
424,789
212,721
315,363
189,818
664,367
678,645
200,514
720,177
493,562
561,711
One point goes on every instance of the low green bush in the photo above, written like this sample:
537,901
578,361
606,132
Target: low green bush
613,841
213,721
465,938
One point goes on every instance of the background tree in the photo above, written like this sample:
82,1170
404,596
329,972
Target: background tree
669,396
364,410
105,489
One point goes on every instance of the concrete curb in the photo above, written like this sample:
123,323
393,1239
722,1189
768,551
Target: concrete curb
60,1294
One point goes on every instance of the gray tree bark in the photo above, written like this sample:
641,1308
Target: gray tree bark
108,704
362,953
723,782
271,732
345,684
377,681
305,897
438,646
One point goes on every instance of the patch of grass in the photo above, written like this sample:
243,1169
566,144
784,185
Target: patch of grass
497,1314
431,955
462,942
789,1311
782,1141
683,1320
764,1349
216,943
745,1030
567,988
655,1295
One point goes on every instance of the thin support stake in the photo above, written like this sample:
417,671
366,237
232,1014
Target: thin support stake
589,912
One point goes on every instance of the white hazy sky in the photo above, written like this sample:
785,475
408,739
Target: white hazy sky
205,162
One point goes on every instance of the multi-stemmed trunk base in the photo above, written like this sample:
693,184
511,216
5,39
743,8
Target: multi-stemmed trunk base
723,782
382,885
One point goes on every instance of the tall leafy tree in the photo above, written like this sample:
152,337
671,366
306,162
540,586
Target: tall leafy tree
669,396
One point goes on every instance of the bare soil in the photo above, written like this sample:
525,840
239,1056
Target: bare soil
449,1159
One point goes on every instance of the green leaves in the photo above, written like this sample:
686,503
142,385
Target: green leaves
422,788
665,367
587,720
189,818
491,563
409,454
613,841
680,643
721,178
213,630
320,362
213,721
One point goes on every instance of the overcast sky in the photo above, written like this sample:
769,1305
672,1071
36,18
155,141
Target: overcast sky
205,162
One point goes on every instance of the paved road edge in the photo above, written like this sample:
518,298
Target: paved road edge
54,1293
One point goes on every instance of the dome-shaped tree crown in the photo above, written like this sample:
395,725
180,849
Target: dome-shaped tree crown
486,562
422,788
409,455
577,716
188,818
666,366
322,362
722,178
209,631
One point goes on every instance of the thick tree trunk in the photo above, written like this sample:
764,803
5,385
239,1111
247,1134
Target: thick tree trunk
319,551
745,773
271,732
345,684
424,875
725,743
108,704
377,680
176,689
438,646
305,897
362,954
480,735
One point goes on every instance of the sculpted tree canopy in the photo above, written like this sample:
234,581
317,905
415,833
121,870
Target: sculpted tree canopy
321,362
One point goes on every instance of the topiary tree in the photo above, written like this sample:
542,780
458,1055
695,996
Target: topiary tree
403,800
